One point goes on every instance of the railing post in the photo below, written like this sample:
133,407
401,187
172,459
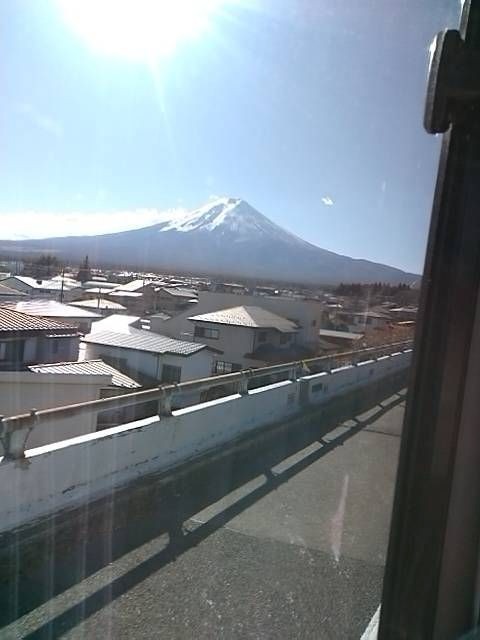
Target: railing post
243,384
165,403
14,442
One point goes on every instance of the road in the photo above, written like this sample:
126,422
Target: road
285,538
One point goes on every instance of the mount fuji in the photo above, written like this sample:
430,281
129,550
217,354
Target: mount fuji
227,237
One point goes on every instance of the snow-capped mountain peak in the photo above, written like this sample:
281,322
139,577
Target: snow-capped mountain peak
207,217
226,237
231,218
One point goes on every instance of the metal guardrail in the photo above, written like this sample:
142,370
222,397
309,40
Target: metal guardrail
21,425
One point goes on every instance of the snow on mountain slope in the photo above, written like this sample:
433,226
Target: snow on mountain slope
230,217
226,237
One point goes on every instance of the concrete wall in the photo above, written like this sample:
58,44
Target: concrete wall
60,475
21,391
305,312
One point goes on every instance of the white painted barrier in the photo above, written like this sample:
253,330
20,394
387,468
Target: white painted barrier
63,474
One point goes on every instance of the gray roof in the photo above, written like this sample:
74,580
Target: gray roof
161,316
91,367
247,316
95,303
48,285
133,285
11,320
120,293
345,335
51,309
180,293
140,340
116,322
100,283
9,291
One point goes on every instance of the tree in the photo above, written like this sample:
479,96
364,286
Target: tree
45,266
84,273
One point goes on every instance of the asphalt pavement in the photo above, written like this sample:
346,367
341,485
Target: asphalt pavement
284,538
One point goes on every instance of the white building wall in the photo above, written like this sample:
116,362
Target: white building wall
235,342
21,391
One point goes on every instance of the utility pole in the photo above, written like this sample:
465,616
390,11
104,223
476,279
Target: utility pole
62,285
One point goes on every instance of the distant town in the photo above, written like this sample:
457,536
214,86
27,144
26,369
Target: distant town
69,335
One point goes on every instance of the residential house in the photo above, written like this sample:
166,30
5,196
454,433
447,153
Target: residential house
361,321
175,299
248,336
103,307
75,316
26,339
334,341
103,284
37,288
306,314
138,296
403,314
148,357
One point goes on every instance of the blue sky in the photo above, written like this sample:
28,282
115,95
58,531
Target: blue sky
309,109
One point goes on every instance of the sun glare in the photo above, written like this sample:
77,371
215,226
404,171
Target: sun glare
142,30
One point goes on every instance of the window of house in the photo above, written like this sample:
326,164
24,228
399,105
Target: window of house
262,336
171,374
285,338
12,351
222,367
206,332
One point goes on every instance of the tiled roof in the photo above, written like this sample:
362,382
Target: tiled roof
140,340
50,308
247,316
92,367
11,320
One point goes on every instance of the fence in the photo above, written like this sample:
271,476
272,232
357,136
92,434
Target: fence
58,476
14,431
